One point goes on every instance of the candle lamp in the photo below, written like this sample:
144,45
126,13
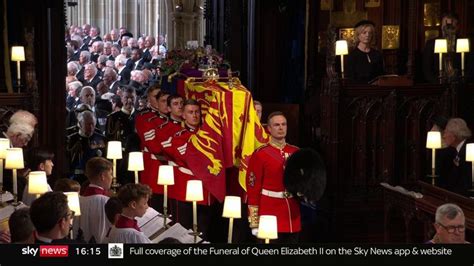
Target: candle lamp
37,183
194,194
14,161
165,178
4,145
135,163
18,55
74,205
462,46
341,49
232,209
470,158
441,47
267,228
433,142
114,152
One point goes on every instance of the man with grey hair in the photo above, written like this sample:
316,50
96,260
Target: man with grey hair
450,225
84,144
21,128
456,174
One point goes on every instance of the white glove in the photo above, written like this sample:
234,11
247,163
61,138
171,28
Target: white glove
254,231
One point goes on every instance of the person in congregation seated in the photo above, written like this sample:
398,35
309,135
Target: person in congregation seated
113,209
134,198
19,132
83,145
444,154
364,62
93,223
21,227
66,185
38,159
51,217
456,173
450,225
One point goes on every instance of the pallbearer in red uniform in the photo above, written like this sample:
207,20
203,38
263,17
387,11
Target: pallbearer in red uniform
147,125
265,187
175,149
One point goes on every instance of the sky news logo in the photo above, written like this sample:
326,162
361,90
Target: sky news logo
47,251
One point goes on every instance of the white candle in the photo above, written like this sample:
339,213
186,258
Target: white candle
1,171
433,159
15,186
136,177
18,75
165,197
440,63
115,168
342,64
462,63
229,236
195,214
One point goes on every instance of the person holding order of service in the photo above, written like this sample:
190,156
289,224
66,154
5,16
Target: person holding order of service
364,62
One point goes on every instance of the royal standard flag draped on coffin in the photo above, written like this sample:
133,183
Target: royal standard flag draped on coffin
230,132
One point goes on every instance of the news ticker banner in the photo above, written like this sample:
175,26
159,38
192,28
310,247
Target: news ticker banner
332,254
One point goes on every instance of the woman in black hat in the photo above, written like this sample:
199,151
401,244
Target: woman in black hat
364,62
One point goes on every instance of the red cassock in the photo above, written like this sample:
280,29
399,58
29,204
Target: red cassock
147,125
265,188
175,149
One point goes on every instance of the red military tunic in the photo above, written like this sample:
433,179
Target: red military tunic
175,149
146,125
266,190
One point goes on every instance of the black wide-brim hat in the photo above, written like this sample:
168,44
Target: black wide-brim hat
364,22
305,174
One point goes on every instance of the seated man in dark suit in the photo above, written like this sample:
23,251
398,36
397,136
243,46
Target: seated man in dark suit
456,172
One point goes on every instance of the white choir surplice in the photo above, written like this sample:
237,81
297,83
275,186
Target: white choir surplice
126,230
93,221
127,235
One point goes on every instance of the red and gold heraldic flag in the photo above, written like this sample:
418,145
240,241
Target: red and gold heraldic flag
230,132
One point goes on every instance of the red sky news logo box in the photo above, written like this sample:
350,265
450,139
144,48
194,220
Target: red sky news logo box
48,251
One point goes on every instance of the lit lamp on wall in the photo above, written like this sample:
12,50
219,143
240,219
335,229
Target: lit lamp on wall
135,163
231,210
194,194
462,46
114,152
341,49
433,141
267,228
37,183
441,47
166,178
18,55
470,158
74,205
14,161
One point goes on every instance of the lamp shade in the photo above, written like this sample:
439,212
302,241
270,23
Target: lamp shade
166,175
462,45
114,150
37,182
341,47
267,227
18,53
433,140
4,145
73,202
194,190
231,207
14,159
470,152
135,161
441,46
